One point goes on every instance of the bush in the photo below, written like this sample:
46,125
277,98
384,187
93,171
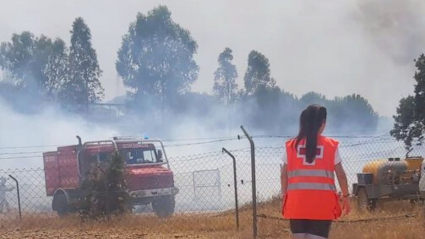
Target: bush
105,191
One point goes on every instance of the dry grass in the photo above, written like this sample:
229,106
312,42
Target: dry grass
213,226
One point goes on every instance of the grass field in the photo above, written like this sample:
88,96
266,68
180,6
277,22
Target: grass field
216,226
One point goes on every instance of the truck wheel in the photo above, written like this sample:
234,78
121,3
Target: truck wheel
164,206
363,201
62,207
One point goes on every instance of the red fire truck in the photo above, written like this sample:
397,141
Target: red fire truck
149,178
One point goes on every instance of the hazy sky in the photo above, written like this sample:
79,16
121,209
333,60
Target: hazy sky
365,47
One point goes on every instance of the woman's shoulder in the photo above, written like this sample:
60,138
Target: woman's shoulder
290,141
330,140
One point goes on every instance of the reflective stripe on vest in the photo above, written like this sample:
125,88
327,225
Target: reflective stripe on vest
311,172
311,186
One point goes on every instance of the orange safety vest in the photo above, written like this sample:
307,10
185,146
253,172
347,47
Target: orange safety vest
311,191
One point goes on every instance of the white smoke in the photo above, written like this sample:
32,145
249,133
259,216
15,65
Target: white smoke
23,138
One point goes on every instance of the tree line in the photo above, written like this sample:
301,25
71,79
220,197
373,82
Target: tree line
156,64
36,70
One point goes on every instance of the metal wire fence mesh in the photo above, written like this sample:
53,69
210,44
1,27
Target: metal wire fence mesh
206,195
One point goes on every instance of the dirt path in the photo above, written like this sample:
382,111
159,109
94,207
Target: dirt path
39,234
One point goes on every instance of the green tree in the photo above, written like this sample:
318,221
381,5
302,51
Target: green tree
258,73
406,128
25,57
409,123
83,85
261,95
56,70
225,87
352,112
105,190
30,62
155,59
17,57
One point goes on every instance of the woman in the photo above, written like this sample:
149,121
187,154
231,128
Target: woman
309,194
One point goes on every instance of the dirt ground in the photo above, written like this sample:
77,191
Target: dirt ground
408,228
217,226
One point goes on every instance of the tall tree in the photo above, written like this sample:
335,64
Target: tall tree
225,87
17,55
24,61
155,60
258,73
83,86
29,62
409,123
261,93
56,70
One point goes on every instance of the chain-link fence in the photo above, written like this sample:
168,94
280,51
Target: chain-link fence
205,198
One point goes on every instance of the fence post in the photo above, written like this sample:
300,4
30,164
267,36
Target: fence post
236,186
254,190
19,198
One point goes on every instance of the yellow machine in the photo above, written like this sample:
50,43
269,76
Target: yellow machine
388,178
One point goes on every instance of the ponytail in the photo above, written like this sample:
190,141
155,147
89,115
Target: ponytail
311,119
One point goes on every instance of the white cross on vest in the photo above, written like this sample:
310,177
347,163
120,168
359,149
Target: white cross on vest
301,153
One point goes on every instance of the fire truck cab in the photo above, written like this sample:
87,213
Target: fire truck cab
149,177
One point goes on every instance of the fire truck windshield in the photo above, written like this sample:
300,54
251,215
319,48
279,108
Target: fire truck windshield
140,156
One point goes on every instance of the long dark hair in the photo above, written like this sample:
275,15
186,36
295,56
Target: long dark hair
311,120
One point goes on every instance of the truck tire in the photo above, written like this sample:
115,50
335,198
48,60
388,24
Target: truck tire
164,206
61,205
363,202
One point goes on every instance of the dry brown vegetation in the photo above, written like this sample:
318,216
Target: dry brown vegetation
215,226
